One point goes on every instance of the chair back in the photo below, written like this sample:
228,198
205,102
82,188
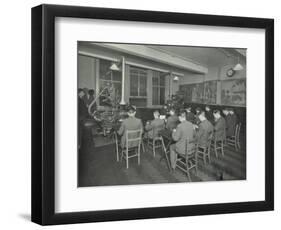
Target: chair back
190,146
237,130
133,138
210,138
157,129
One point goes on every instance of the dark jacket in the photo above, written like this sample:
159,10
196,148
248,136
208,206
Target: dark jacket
183,133
220,129
205,131
131,123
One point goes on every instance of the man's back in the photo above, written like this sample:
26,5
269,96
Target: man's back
183,133
154,127
131,123
204,131
220,129
172,122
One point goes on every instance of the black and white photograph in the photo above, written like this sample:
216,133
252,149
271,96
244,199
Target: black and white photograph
152,114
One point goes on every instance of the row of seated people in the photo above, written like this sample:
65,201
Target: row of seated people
184,126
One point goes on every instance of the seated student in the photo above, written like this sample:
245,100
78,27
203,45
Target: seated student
227,118
205,128
154,126
219,125
196,118
209,114
232,123
130,123
172,120
181,134
189,114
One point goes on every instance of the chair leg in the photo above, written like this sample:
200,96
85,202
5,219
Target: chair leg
196,163
138,154
117,152
127,159
215,147
187,169
209,154
142,144
222,149
204,156
153,147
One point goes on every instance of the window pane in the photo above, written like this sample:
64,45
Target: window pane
138,102
162,81
117,76
142,86
105,72
155,96
134,85
162,96
155,81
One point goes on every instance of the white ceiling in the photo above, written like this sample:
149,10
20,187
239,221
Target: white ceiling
204,55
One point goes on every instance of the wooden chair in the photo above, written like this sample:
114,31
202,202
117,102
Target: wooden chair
117,145
156,141
189,160
235,140
218,145
204,152
133,144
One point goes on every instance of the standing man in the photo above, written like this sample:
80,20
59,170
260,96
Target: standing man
130,123
184,132
82,115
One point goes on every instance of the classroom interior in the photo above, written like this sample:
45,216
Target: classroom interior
113,76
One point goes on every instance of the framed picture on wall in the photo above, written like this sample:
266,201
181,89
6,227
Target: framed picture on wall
129,107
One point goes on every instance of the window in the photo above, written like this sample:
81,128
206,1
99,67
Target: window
138,86
158,88
110,84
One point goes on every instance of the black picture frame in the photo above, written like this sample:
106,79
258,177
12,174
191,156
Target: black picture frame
43,114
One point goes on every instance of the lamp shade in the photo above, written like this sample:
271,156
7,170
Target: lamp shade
238,67
114,67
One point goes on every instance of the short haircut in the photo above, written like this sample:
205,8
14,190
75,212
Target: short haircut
131,109
156,112
202,113
80,90
91,92
172,109
188,107
216,111
182,113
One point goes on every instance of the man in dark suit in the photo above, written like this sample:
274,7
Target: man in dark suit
205,130
184,132
189,114
82,115
219,126
153,127
233,122
172,120
208,114
130,123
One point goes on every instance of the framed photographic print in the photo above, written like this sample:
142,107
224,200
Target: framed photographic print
142,114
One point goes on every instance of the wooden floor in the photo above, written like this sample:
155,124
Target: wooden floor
98,167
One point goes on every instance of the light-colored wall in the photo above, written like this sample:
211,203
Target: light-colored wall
86,72
215,73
